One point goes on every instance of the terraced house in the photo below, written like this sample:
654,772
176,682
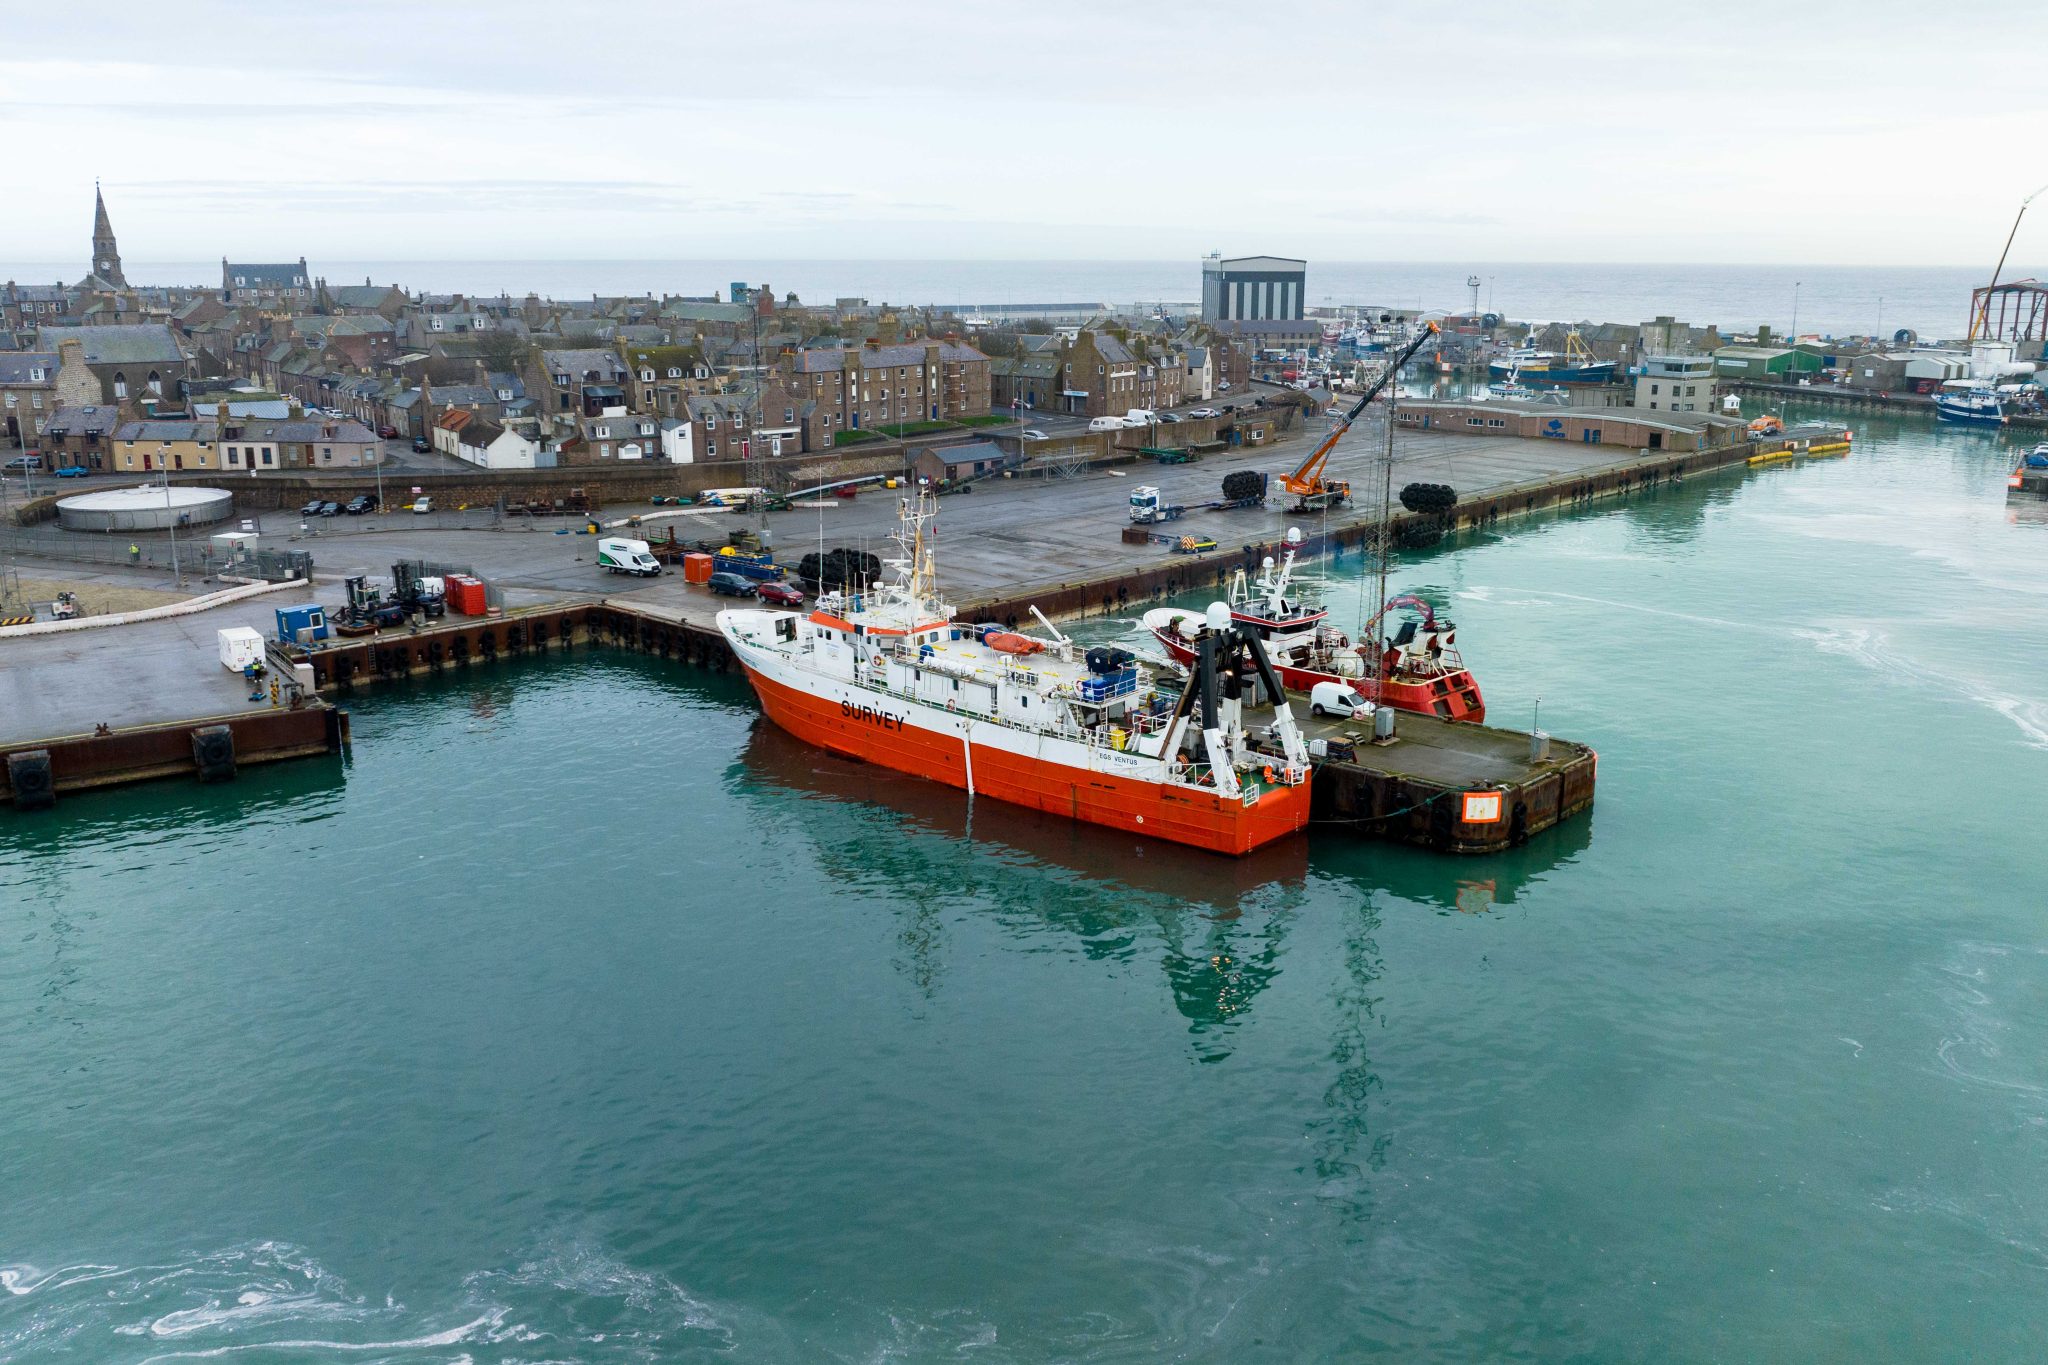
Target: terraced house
255,444
858,388
34,385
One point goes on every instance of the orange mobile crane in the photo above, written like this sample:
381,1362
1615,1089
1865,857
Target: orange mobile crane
1307,482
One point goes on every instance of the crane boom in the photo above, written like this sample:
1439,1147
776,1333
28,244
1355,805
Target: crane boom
1307,480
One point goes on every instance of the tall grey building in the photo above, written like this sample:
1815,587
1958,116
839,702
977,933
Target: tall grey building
1253,288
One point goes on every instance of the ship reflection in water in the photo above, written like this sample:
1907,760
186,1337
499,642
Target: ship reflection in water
1222,923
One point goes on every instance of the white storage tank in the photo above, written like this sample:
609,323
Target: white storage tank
151,507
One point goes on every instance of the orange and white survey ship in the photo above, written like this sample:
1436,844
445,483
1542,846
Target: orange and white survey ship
887,675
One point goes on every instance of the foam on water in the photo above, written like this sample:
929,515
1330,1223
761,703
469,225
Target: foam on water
1870,645
264,1296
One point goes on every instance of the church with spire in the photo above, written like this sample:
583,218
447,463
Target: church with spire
106,273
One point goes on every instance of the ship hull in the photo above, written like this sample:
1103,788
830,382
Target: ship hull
1013,765
1453,695
1568,376
1969,416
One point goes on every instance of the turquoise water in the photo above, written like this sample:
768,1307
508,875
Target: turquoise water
577,1017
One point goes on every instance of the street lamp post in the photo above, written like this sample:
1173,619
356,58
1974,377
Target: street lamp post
164,462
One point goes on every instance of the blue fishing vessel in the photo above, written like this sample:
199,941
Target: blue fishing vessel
1977,406
1576,368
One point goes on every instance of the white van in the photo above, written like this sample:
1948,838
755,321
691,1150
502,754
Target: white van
1338,699
1140,417
627,556
1106,424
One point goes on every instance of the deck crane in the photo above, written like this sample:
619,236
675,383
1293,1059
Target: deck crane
1307,481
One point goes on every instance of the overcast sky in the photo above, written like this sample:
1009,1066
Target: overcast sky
1873,132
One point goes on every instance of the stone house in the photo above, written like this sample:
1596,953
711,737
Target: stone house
1101,377
1029,383
610,439
284,287
33,305
660,379
138,366
35,384
874,385
579,382
80,436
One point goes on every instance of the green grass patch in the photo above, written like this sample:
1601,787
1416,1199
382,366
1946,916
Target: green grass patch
915,428
854,438
990,420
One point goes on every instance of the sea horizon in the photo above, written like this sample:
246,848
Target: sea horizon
1931,301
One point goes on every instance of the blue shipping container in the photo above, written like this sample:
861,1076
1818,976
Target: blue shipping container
311,618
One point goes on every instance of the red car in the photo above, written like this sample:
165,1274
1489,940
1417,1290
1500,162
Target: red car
779,594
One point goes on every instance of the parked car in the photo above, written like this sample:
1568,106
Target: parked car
23,463
1034,435
386,614
1203,412
779,594
1169,417
312,509
330,509
387,433
361,503
732,585
76,471
1140,417
423,505
421,445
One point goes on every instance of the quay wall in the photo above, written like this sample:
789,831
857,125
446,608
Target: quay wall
1839,396
1114,593
34,774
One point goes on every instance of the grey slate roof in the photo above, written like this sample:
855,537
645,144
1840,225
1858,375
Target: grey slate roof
261,276
188,429
149,343
463,395
15,367
579,362
828,360
972,451
360,295
91,417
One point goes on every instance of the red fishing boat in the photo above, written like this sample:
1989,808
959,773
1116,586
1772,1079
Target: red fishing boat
1412,667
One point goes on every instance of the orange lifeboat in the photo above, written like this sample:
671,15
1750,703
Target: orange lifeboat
1009,642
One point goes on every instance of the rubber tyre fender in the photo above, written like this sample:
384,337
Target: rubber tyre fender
213,753
29,775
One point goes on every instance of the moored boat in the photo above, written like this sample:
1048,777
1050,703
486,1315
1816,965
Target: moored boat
1416,668
889,676
1977,405
1576,368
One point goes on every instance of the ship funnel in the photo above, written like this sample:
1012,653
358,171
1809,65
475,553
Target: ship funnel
1218,617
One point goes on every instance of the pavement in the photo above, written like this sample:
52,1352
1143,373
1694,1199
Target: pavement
1005,536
